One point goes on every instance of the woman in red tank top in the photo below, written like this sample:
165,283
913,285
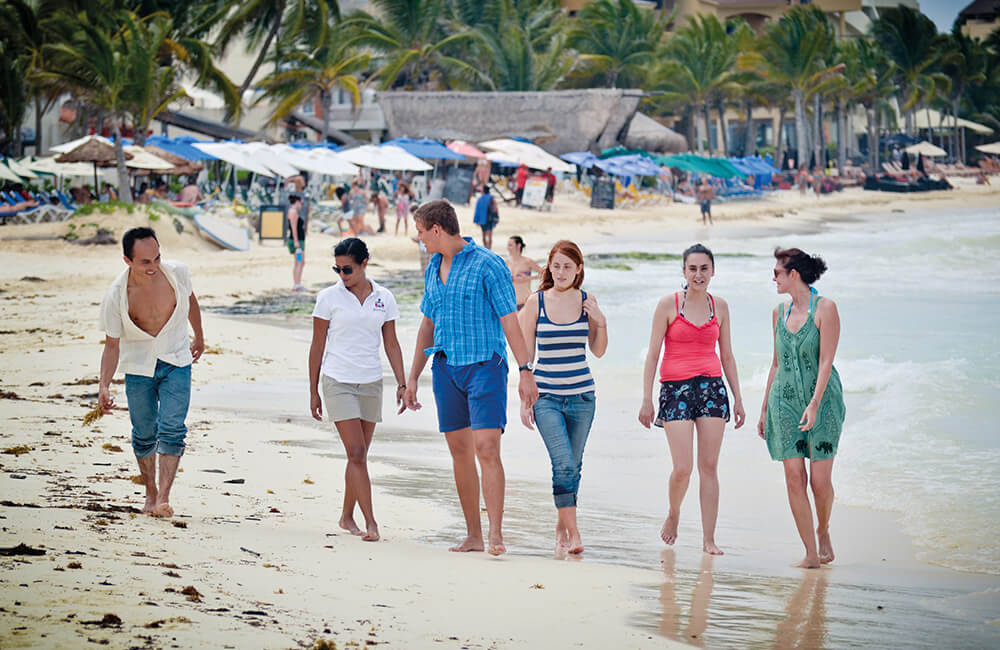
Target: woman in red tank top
688,325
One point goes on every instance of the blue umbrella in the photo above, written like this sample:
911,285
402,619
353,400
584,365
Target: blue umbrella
425,148
584,159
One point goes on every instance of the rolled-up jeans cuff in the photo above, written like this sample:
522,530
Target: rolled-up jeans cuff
565,500
169,449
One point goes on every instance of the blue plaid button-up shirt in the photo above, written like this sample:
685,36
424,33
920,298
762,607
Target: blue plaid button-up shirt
466,311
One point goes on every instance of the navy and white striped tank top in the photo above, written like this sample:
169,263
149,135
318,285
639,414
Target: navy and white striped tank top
561,367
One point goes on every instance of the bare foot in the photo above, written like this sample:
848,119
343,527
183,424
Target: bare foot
469,545
163,510
348,524
150,503
669,531
825,548
560,552
575,543
808,563
496,545
372,534
711,548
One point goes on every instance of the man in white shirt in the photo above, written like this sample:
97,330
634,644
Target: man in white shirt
145,318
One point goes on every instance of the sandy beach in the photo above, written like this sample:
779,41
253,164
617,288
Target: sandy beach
254,557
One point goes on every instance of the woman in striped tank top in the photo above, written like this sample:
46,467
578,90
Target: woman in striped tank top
688,326
563,320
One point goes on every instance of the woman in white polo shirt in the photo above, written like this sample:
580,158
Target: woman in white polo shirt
352,318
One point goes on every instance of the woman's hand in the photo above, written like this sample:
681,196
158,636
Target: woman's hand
400,393
594,313
738,413
646,413
316,406
527,416
410,397
808,417
761,422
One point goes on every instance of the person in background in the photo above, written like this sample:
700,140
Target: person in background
550,185
521,179
296,239
521,268
381,206
404,199
486,216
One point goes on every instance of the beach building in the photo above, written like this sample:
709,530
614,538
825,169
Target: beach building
980,18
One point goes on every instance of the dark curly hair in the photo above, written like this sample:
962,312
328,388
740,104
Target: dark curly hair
809,267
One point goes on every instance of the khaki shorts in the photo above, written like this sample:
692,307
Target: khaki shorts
352,401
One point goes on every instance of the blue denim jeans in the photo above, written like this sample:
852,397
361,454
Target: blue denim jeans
158,406
564,423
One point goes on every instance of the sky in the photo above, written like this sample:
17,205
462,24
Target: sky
943,12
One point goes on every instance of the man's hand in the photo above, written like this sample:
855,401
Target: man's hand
197,348
527,389
410,397
400,394
104,399
316,406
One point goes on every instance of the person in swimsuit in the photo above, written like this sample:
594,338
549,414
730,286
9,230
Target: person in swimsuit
803,410
520,269
688,325
563,319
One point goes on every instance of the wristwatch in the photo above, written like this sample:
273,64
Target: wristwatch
528,366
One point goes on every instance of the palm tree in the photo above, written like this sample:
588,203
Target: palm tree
263,22
416,50
323,65
790,55
868,81
964,62
698,66
617,39
910,40
523,44
13,95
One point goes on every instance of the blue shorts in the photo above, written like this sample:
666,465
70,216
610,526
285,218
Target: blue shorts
472,396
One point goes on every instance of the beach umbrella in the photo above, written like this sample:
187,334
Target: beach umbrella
19,169
7,175
318,160
93,149
424,148
927,149
388,157
142,159
466,149
991,148
526,153
66,147
228,152
263,154
180,166
584,159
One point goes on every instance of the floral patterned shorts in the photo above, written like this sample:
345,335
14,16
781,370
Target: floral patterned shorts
690,399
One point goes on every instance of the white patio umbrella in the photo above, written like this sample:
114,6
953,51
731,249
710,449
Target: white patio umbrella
526,153
73,144
7,175
19,169
927,149
142,159
266,156
227,152
71,170
388,157
315,160
992,147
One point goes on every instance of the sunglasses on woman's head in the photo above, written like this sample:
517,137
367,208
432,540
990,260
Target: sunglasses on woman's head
346,270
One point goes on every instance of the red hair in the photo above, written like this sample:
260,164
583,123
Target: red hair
570,250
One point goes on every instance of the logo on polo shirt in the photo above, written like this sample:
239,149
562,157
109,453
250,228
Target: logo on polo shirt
379,304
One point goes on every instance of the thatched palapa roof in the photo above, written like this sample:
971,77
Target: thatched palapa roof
181,166
646,133
560,120
92,151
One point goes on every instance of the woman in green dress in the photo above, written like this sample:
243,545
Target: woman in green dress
803,409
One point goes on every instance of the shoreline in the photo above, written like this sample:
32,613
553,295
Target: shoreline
400,591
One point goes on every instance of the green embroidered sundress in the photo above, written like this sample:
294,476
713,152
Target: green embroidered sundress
793,386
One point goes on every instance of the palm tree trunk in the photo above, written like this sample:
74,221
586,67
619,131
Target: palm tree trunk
779,141
279,13
818,143
749,136
724,130
38,125
692,133
708,128
801,135
324,100
954,131
841,137
139,135
124,192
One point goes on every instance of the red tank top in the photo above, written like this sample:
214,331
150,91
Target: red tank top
689,349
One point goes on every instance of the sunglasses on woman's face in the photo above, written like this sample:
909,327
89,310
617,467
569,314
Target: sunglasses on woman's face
344,270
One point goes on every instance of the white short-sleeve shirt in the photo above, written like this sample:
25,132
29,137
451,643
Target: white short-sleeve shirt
139,350
354,335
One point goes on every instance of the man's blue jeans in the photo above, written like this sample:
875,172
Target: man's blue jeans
158,406
564,423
